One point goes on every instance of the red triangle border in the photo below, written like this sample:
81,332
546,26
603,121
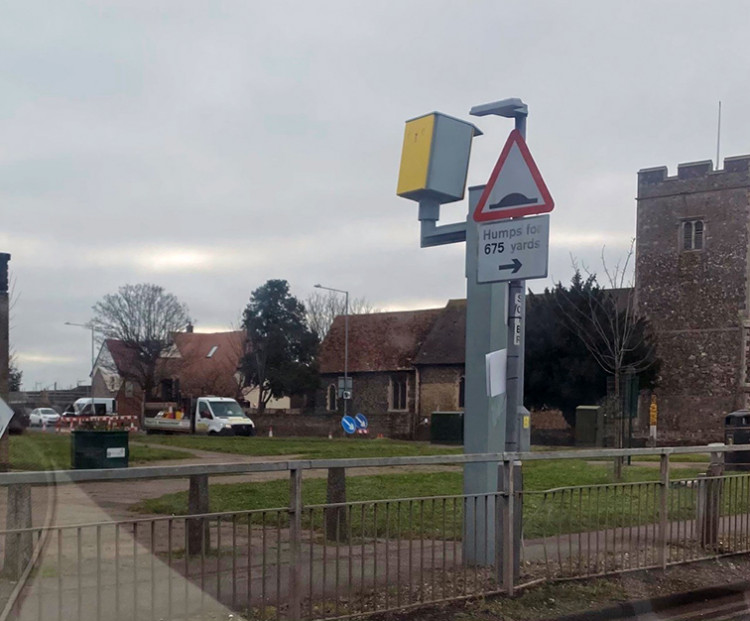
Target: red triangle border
547,205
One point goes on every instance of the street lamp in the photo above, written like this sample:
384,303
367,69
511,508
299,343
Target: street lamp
346,340
88,326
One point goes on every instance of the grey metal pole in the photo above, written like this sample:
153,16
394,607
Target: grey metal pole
346,351
484,418
92,368
516,336
4,352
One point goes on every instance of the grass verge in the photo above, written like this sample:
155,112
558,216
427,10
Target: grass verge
50,451
546,512
306,448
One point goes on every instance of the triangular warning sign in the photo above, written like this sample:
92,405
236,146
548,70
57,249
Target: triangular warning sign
516,187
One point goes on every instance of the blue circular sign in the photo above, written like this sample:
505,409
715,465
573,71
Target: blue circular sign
361,421
349,424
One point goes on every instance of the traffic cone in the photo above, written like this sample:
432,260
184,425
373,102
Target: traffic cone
270,432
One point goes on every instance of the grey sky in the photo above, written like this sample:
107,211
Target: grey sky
209,146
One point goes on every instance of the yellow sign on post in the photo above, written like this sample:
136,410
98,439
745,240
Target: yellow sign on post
435,158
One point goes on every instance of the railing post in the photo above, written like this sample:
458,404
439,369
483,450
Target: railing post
663,507
295,543
506,479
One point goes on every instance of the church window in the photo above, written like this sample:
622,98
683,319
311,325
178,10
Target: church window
692,235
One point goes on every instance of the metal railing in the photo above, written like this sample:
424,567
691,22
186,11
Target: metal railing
338,560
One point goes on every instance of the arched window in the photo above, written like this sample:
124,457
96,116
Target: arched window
692,234
332,398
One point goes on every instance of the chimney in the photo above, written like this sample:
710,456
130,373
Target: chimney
189,328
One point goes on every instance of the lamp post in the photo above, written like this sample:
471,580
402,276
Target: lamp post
346,339
88,326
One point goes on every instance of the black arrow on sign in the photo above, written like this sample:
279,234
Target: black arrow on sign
515,266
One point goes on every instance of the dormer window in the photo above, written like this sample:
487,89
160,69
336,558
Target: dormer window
692,234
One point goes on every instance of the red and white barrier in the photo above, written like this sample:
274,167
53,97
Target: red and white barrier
70,423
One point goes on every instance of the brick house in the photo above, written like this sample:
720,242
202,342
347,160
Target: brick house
693,283
196,364
405,364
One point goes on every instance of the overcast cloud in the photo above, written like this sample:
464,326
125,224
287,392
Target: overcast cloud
210,146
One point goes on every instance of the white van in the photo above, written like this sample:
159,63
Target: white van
213,416
92,407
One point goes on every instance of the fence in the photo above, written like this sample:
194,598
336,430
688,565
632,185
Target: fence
71,423
339,560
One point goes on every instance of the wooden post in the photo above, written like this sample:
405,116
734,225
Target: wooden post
709,502
199,535
336,525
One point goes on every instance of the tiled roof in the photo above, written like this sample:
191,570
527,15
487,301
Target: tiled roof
377,341
446,342
199,373
394,341
124,357
188,359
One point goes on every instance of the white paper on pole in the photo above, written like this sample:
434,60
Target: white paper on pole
5,415
496,363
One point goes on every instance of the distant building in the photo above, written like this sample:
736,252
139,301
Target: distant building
196,364
693,284
407,364
58,399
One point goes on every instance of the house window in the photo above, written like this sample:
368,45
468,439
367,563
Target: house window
692,234
398,391
461,391
331,399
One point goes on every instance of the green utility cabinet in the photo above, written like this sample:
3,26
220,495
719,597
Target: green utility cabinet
447,428
99,449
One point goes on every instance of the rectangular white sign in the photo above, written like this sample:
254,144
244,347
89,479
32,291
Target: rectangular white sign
116,452
6,413
513,249
497,364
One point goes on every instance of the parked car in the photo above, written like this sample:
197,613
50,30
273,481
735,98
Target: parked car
43,416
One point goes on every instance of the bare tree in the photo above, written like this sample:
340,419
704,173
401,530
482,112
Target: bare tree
143,318
322,308
606,321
